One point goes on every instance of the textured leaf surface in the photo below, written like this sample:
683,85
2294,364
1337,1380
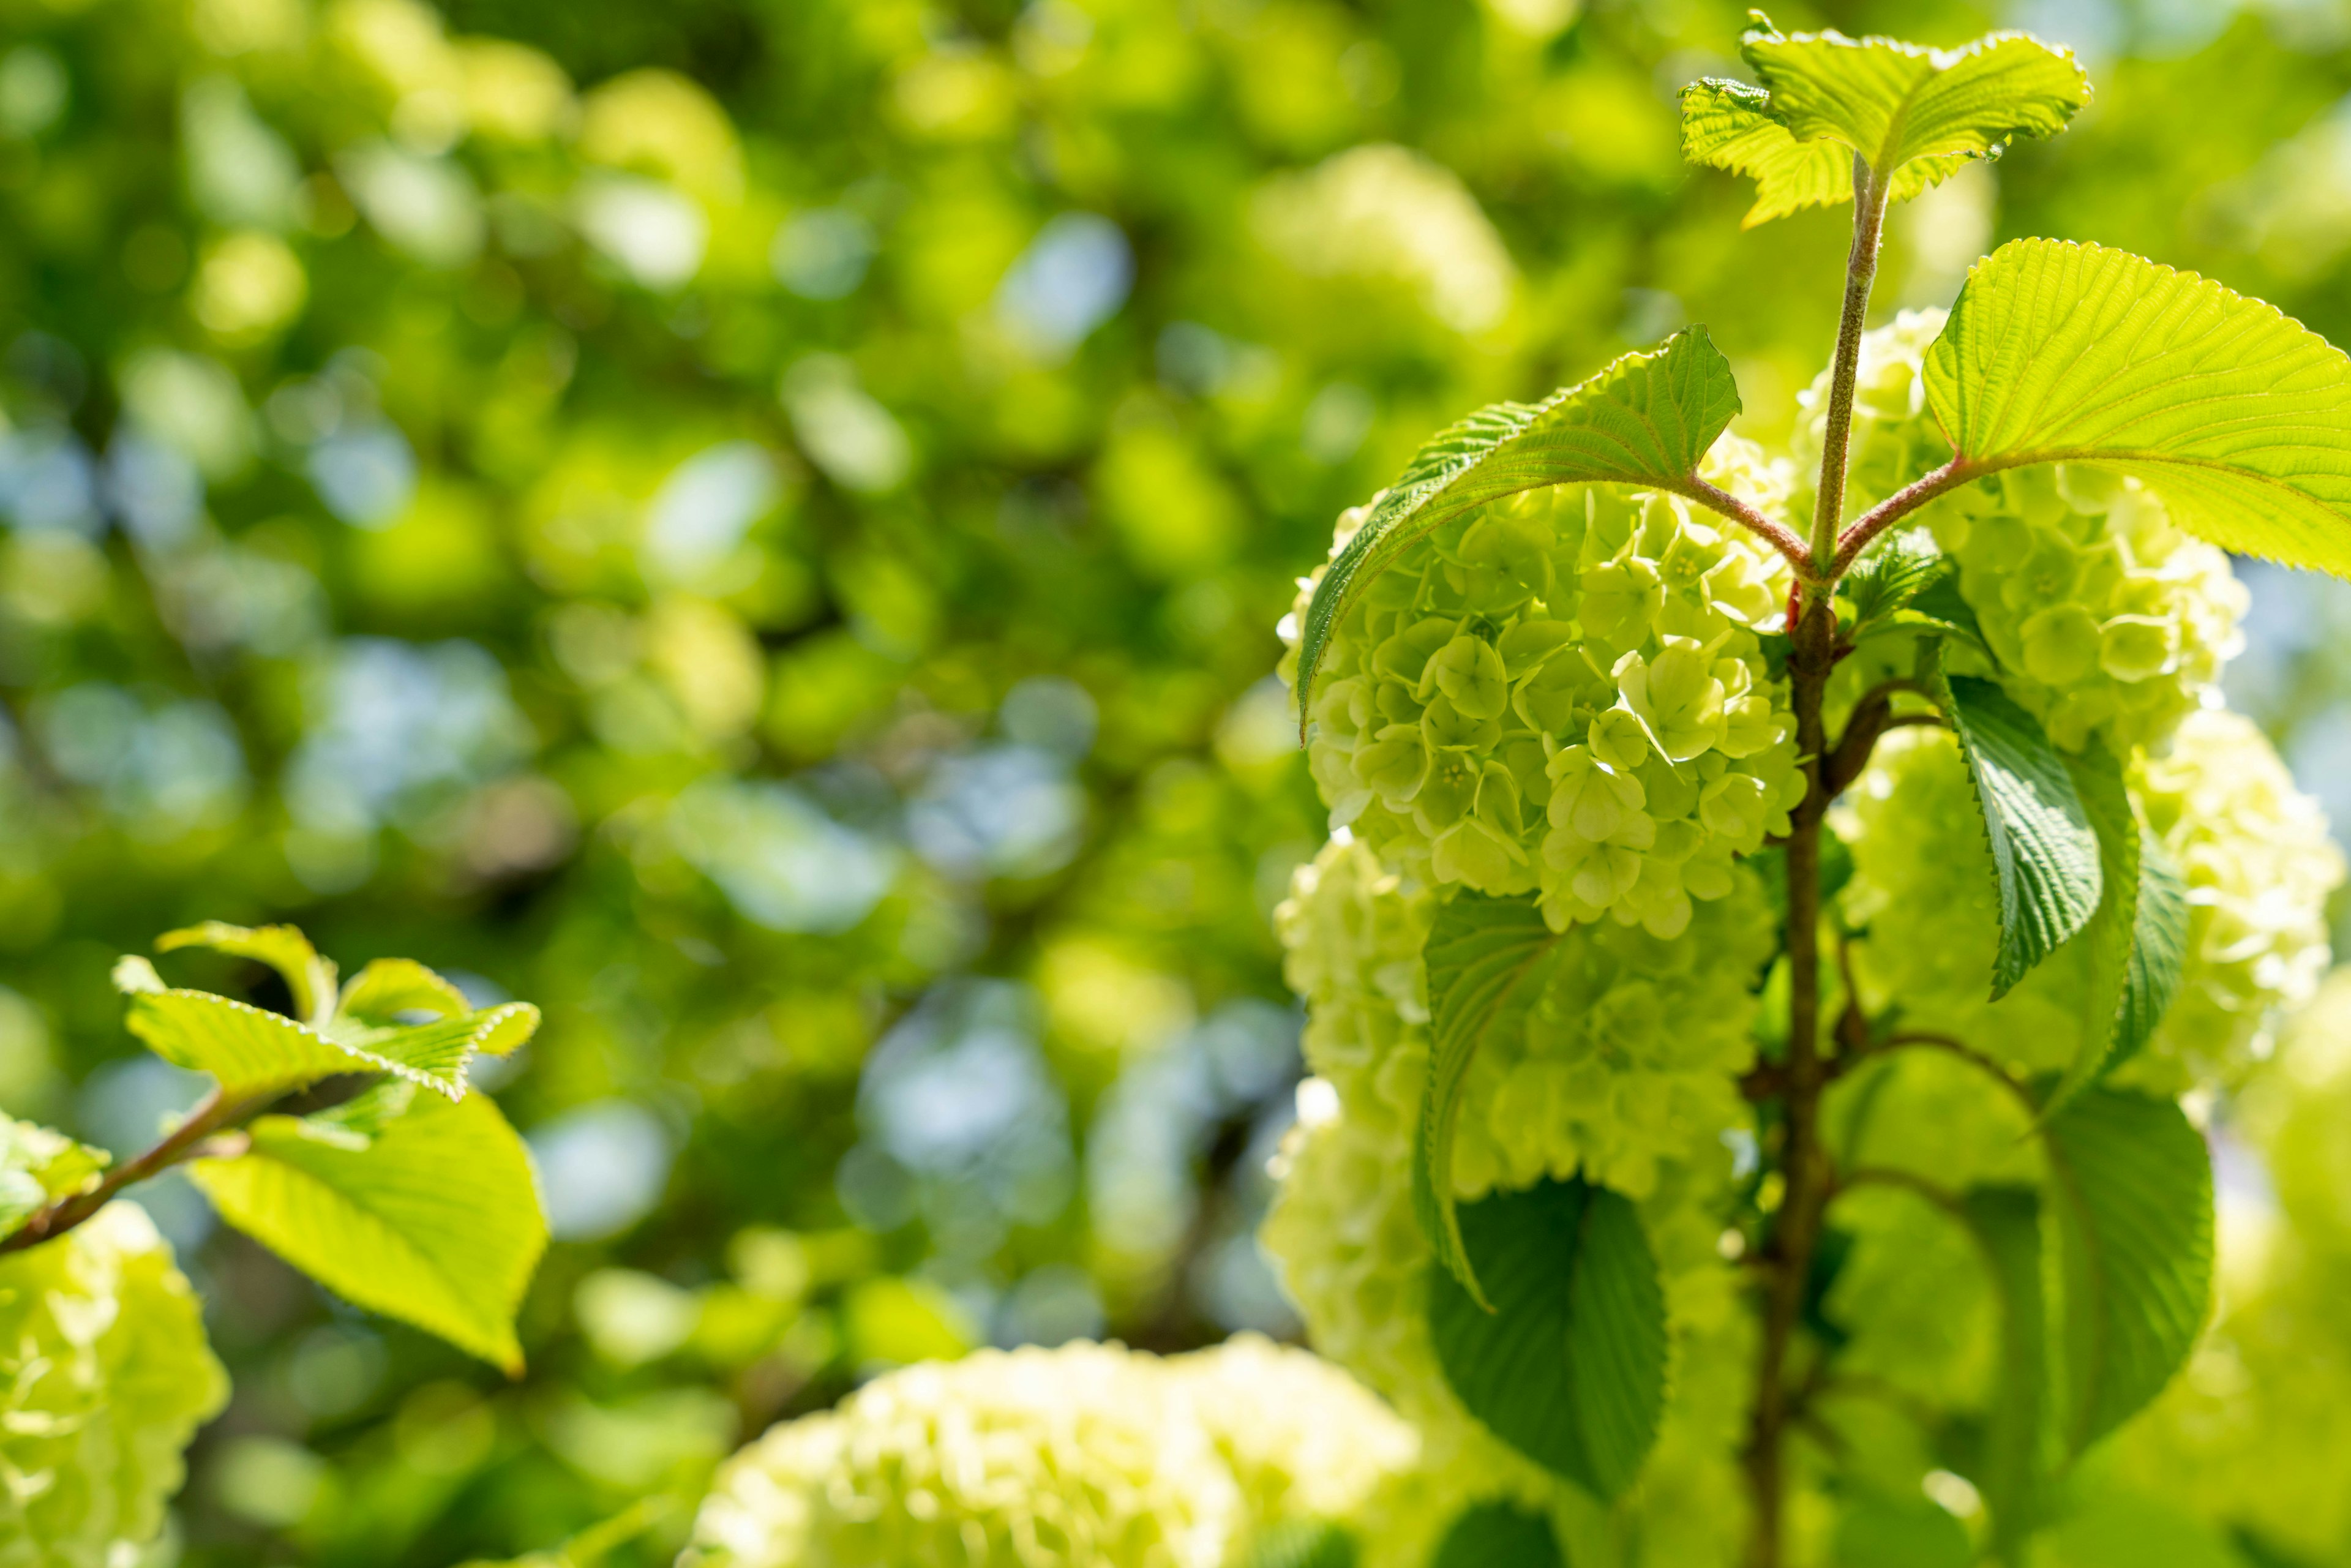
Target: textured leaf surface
2098,781
2131,1186
2238,416
1725,125
253,1051
1893,103
2158,954
309,978
38,1166
1570,1366
434,1220
1891,575
1645,420
437,1053
249,1050
2044,851
387,987
1487,959
1498,1535
1915,114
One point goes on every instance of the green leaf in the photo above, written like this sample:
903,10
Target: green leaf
437,1053
387,987
434,1220
2098,781
309,977
2044,851
1878,1531
2138,938
1498,1535
38,1167
2158,954
1917,115
1648,419
2131,1193
2017,1450
1302,1544
1890,575
1941,607
1569,1367
256,1053
1487,960
1726,125
2238,416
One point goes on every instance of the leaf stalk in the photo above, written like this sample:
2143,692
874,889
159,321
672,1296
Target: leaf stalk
213,1113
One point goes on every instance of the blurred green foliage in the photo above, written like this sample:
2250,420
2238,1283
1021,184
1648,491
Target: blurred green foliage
758,527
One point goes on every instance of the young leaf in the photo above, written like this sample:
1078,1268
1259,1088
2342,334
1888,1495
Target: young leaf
2044,852
2131,1193
2238,416
434,1219
1891,575
1570,1366
1915,115
309,978
387,987
1727,125
2018,1450
439,1051
1645,420
254,1052
38,1166
1498,1535
1487,959
2159,953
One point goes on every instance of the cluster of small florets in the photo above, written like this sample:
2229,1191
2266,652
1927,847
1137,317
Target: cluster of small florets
2104,619
2252,849
104,1376
1629,1059
1343,1229
1082,1456
1564,692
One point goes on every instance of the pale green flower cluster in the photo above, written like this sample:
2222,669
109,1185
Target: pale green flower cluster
2105,619
1564,692
105,1375
1087,1456
2252,849
1343,1228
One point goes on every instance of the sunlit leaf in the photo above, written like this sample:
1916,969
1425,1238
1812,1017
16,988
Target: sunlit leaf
434,1219
387,988
2044,851
1487,960
1569,1366
309,978
38,1166
2238,416
2131,1195
1648,419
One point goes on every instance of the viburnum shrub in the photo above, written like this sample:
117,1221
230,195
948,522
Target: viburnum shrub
343,1136
1784,912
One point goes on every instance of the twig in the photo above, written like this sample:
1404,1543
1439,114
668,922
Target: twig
1898,506
214,1111
1779,535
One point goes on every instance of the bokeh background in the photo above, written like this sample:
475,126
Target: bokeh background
758,525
